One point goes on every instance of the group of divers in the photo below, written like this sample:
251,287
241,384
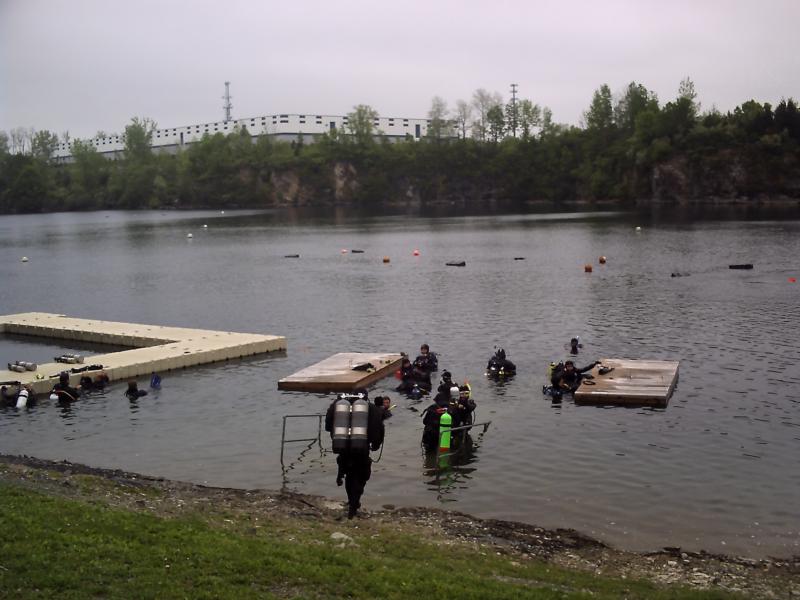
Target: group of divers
93,379
356,424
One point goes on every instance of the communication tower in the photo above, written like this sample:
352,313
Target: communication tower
514,109
227,106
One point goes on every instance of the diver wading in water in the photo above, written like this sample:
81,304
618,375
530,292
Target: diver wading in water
499,366
356,426
451,399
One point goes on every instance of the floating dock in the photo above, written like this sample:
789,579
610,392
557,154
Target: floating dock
632,382
337,373
152,347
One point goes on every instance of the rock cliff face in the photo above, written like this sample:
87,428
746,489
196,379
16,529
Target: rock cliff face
723,177
726,177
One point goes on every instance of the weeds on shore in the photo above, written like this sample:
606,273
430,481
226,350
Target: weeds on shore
57,547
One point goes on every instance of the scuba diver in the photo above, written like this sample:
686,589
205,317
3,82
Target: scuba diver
385,404
430,421
499,366
62,391
427,361
568,378
574,344
414,381
7,393
356,426
13,393
453,399
133,392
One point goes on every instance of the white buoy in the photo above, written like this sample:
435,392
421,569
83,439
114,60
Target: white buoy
205,226
222,212
189,235
638,228
23,259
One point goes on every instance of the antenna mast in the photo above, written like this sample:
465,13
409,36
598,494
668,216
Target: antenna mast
514,109
227,106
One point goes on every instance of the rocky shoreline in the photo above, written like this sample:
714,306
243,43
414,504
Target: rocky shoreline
768,578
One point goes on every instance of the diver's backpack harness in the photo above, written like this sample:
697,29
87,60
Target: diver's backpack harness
350,422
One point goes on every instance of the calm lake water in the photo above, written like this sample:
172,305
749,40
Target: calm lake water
718,469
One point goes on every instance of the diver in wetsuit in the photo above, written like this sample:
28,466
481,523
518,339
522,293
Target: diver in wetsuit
63,390
414,381
427,361
499,366
133,392
354,463
430,420
569,378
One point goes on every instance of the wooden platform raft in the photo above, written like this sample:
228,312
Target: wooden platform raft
152,347
632,382
342,372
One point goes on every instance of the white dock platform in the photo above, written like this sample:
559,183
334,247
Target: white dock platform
336,373
153,348
632,382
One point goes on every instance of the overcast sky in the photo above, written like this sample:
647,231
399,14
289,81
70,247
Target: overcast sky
89,65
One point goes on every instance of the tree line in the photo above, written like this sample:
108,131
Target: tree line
629,147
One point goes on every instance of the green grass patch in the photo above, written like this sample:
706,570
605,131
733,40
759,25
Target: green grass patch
57,547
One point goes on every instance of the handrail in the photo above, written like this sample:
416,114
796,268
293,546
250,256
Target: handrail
318,438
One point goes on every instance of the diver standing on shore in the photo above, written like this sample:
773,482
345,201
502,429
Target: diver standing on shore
356,426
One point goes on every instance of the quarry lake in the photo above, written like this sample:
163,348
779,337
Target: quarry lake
717,469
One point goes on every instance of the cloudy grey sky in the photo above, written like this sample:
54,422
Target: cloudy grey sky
89,65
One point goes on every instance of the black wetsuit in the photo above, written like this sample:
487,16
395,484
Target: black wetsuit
501,364
65,393
412,375
427,362
430,420
355,467
573,379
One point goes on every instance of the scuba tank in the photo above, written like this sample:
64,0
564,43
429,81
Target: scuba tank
350,423
341,424
455,394
69,359
550,368
359,421
22,399
25,366
445,421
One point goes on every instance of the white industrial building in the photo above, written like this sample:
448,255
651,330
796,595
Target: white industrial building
280,127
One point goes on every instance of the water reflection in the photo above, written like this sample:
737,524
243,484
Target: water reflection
447,472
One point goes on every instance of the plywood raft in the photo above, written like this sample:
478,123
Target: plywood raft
153,348
337,374
636,382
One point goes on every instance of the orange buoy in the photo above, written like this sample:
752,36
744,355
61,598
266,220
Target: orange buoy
587,268
602,260
386,259
792,279
415,252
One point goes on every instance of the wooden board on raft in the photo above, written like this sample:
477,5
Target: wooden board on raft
337,374
632,382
